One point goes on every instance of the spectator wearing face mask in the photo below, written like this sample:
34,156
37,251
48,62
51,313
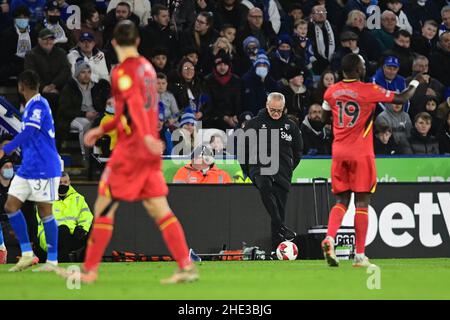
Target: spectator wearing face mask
283,58
16,40
36,8
257,84
109,116
6,174
247,55
52,21
74,219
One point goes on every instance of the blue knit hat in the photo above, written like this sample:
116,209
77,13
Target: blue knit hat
261,59
249,40
284,38
186,118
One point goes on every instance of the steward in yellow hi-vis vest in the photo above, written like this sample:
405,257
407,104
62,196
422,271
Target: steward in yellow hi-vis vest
74,220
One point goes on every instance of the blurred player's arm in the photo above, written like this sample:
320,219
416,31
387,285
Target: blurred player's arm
140,120
408,93
326,112
18,140
96,133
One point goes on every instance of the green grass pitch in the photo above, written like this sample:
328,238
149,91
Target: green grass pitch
255,280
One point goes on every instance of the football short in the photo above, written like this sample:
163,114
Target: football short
37,190
132,180
357,175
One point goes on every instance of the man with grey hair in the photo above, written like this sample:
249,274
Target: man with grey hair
385,35
445,16
271,159
434,88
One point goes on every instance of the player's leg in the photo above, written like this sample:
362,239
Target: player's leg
102,229
173,235
19,225
3,252
101,233
334,223
362,200
51,235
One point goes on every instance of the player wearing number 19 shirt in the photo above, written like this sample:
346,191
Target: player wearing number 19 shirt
352,105
134,170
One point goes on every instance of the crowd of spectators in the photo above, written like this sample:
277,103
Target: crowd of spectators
217,60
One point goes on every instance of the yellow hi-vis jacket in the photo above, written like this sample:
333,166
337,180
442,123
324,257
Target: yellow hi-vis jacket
72,212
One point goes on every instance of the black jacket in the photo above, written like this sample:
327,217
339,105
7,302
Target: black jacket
440,65
224,100
297,104
391,148
422,145
153,35
70,104
290,145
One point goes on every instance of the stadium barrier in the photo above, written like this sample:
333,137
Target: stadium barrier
406,220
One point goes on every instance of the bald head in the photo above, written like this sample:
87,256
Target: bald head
444,41
388,21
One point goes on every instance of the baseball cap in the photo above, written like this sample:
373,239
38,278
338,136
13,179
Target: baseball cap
51,5
391,61
348,35
46,34
87,36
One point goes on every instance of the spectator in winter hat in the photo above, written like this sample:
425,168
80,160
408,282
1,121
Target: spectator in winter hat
246,55
224,91
257,84
283,57
185,138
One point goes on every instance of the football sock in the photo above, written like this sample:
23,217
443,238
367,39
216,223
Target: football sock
173,236
334,222
51,236
18,223
99,239
361,225
2,241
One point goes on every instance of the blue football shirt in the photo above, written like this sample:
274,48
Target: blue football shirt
40,159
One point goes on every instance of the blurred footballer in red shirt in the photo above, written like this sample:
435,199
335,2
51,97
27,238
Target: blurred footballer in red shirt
351,103
134,170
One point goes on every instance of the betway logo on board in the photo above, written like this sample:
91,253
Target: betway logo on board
395,222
